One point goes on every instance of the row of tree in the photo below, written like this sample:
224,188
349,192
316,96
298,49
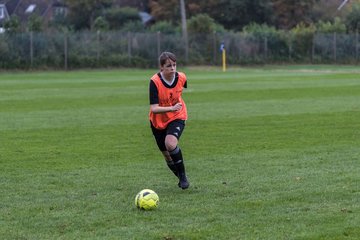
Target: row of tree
203,16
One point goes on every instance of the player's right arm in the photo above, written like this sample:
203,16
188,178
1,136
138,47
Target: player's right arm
154,101
155,108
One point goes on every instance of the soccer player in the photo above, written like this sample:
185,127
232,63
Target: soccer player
168,113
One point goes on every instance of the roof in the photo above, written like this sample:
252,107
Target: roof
10,5
145,17
28,7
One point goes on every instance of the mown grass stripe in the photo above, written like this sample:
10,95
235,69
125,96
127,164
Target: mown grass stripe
271,153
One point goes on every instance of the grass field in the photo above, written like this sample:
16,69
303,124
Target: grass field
271,153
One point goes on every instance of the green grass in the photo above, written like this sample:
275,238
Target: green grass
271,152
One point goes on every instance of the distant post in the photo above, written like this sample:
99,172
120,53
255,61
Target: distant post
158,39
184,29
313,49
266,48
98,46
223,51
357,45
65,51
129,46
31,49
334,47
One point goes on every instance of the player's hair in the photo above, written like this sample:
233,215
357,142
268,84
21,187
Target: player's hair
165,56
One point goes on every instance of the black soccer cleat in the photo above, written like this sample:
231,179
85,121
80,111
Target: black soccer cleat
183,182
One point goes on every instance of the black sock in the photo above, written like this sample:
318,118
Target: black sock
172,167
177,158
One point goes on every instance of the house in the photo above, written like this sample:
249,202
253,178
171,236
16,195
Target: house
141,5
3,12
23,9
3,16
7,7
50,9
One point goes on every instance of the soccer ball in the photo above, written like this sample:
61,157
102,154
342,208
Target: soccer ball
146,200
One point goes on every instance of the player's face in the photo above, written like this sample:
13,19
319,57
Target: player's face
169,69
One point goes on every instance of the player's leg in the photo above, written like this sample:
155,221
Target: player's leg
174,132
160,141
170,162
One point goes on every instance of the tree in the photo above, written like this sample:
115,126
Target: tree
165,10
82,13
118,17
133,26
163,27
325,10
353,18
201,23
232,14
35,23
330,27
100,24
289,13
302,39
59,23
12,25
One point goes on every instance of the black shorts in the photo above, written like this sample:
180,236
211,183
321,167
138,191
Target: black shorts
174,128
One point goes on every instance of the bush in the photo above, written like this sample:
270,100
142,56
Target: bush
301,39
100,24
164,27
118,17
201,23
353,19
331,27
272,42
